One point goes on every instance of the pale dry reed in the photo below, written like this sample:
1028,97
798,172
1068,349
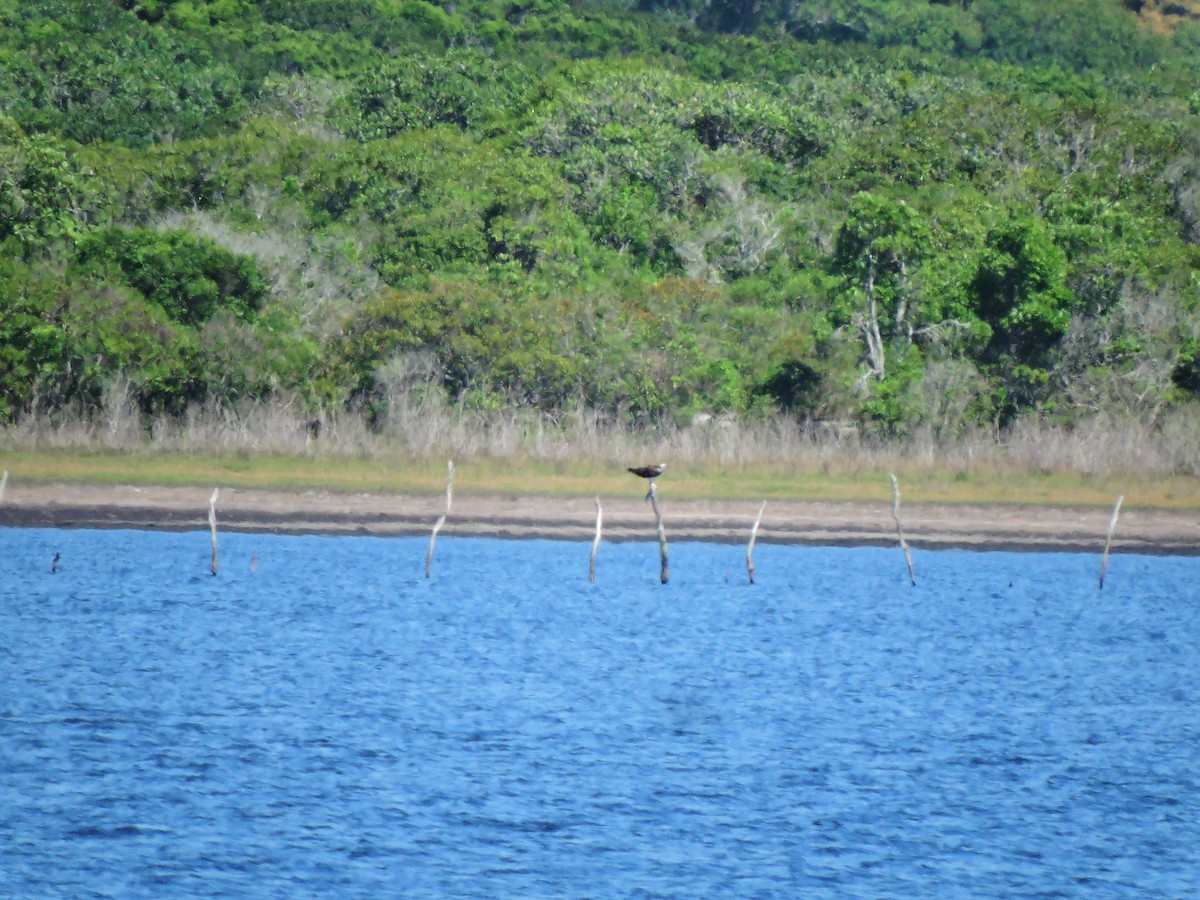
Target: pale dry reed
423,426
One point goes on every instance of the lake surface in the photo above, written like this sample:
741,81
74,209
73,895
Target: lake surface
332,723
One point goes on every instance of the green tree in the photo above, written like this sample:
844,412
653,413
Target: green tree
877,246
35,349
39,195
189,278
1021,294
462,88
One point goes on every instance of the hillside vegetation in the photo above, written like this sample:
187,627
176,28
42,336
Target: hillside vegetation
903,217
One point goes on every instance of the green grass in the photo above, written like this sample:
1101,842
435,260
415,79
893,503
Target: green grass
985,484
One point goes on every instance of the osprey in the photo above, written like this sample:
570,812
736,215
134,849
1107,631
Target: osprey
650,472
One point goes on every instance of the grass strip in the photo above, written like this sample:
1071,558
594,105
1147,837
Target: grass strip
987,484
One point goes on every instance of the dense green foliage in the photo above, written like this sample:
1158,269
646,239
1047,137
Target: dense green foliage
894,212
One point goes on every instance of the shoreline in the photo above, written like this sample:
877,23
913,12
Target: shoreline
819,523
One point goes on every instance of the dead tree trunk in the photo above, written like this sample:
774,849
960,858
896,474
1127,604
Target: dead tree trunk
212,524
595,542
870,326
665,573
442,519
912,578
1112,526
750,546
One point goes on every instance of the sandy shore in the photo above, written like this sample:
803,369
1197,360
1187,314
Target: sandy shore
989,527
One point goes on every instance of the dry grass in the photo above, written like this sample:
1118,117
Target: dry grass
582,452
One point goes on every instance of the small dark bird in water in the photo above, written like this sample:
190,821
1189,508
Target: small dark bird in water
649,473
54,564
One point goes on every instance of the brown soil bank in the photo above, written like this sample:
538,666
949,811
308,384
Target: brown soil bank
929,526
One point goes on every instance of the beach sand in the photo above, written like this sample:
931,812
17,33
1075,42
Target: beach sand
929,526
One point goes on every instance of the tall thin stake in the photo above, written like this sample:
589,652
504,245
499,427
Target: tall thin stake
442,520
750,546
3,484
1112,526
665,573
912,578
595,542
212,524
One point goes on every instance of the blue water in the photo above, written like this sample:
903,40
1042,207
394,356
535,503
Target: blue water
334,724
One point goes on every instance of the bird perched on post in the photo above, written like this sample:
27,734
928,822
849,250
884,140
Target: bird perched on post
649,473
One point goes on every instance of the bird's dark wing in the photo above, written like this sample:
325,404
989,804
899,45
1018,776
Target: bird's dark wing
646,471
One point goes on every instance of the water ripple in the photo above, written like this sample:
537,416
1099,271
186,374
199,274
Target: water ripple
335,724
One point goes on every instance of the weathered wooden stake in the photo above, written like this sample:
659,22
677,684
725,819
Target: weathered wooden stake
665,574
1112,525
912,578
595,542
753,538
442,519
3,484
212,524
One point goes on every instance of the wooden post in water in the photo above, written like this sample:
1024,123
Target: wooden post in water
442,520
595,542
3,484
665,573
912,578
212,524
1112,526
750,546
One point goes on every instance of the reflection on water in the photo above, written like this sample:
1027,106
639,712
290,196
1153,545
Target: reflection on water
335,724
